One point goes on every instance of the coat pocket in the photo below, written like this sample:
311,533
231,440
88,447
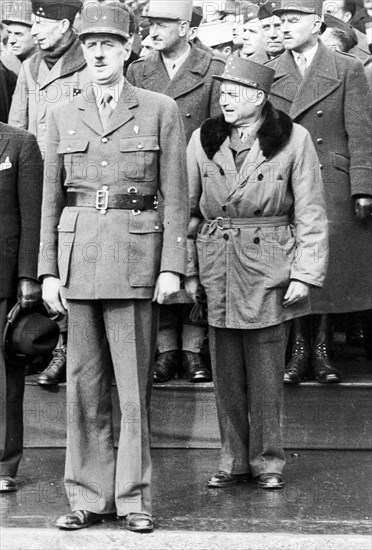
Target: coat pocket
66,238
139,157
146,241
75,159
341,163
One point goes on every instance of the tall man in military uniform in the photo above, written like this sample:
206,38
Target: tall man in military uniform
184,73
108,255
327,92
17,17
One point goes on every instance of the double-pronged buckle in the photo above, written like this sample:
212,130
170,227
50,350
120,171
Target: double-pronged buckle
102,199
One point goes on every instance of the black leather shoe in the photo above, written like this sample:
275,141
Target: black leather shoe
323,370
138,522
55,373
166,366
80,519
299,365
223,479
193,365
7,484
270,481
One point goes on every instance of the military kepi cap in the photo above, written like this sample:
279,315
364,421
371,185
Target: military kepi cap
178,10
248,73
18,11
267,10
303,6
102,18
50,9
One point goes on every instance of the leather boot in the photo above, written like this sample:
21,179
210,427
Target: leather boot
324,372
55,373
166,366
298,367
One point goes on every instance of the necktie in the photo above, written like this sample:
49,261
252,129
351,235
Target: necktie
105,110
301,63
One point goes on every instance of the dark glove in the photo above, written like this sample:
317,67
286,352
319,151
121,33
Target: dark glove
198,314
363,207
28,293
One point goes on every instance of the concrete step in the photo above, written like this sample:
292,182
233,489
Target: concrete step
184,415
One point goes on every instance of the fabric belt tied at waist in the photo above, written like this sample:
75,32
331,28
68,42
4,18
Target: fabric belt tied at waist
238,223
103,200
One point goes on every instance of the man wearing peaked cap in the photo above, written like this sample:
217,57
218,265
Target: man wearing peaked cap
184,72
259,209
327,92
271,30
17,17
119,151
54,73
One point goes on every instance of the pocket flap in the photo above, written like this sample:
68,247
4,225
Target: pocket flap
72,145
139,143
341,163
138,225
67,222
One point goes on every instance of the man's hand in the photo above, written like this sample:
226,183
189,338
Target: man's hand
52,295
28,293
191,286
363,208
296,292
168,283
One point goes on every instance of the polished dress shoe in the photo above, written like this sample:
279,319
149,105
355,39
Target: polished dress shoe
223,479
80,519
195,368
270,481
323,370
166,366
138,522
7,484
55,373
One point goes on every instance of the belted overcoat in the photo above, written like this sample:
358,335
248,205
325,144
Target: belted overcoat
333,102
263,225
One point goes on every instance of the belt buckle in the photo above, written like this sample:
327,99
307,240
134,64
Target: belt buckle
219,222
102,199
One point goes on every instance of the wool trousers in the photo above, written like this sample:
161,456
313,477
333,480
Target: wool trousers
12,384
109,338
248,369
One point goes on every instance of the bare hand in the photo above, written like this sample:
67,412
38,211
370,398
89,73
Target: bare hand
52,295
191,286
363,208
296,292
167,285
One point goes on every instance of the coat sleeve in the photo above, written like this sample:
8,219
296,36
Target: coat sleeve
53,202
30,188
358,124
310,216
18,115
173,188
195,191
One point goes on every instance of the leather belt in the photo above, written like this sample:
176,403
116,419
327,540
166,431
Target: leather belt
237,223
103,200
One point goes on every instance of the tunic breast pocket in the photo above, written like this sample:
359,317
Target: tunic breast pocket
66,238
74,158
146,241
139,160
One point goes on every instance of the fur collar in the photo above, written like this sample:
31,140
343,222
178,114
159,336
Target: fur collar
273,135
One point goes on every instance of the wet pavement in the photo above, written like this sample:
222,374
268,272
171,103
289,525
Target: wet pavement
326,503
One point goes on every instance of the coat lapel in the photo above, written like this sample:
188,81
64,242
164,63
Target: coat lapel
3,145
252,162
47,76
225,160
155,76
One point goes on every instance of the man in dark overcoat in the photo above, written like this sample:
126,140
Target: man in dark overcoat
108,255
21,177
8,80
327,92
183,72
256,188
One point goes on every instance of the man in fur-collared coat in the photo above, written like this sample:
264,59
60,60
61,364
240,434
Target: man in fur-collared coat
256,188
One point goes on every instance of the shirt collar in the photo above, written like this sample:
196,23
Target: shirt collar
309,54
114,90
173,65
